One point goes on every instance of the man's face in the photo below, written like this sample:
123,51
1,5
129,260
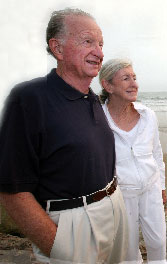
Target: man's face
82,50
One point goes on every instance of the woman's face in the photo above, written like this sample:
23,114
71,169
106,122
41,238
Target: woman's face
124,85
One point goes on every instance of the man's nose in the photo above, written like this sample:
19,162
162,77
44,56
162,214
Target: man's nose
98,52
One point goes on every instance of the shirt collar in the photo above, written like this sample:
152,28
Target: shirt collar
140,108
64,88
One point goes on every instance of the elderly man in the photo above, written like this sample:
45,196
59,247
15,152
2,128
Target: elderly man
57,153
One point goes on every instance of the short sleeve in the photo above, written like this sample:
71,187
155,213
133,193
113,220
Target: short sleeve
19,161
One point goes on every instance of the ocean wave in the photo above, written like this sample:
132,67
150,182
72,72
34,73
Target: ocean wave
155,96
163,129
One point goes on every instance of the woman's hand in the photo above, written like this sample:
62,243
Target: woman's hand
164,196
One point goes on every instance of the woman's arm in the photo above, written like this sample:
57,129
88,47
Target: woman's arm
158,155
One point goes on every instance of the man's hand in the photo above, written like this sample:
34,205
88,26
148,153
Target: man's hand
31,219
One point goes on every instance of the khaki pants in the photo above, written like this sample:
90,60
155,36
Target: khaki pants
94,234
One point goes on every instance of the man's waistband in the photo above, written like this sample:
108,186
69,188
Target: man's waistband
59,205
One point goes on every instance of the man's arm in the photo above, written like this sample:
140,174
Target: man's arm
31,219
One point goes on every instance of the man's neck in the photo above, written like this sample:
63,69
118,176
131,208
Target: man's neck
81,85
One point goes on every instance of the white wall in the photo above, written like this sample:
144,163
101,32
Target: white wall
131,28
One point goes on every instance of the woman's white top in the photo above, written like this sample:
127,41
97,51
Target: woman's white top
129,135
139,157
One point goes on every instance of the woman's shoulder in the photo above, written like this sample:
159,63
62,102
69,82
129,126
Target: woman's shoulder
141,107
145,111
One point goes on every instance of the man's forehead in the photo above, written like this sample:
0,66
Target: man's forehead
80,23
91,34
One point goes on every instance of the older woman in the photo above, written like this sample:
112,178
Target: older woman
139,160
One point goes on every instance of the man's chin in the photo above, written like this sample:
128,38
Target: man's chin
93,74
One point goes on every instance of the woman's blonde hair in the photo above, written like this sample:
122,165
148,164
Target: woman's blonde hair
108,71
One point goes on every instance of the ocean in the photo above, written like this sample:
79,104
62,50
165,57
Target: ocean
157,101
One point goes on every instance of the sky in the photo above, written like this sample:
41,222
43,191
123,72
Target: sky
134,29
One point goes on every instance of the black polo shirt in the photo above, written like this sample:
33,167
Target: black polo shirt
54,141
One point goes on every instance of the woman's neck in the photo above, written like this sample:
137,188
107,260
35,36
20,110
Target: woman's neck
119,109
123,114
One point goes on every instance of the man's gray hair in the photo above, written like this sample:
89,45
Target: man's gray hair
57,28
108,71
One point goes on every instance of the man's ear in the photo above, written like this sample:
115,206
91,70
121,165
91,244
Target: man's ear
107,85
56,48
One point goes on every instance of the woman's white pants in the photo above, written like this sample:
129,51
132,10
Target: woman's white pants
146,209
94,234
